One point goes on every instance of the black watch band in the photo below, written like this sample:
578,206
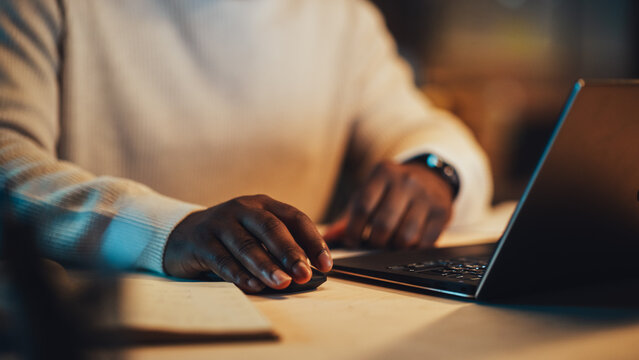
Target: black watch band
440,167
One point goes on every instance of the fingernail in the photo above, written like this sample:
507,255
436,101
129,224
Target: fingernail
254,284
325,259
279,277
301,270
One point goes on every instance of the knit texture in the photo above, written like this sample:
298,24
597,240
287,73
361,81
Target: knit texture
118,118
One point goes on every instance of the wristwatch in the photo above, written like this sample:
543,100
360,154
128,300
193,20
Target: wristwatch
439,167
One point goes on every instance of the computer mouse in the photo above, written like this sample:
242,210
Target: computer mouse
317,279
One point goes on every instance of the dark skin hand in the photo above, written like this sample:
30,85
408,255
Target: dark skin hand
400,206
252,241
255,241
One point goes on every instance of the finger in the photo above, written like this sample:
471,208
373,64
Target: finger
435,225
250,253
280,243
304,232
218,260
362,206
412,226
336,231
387,216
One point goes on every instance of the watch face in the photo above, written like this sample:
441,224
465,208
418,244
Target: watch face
439,166
433,161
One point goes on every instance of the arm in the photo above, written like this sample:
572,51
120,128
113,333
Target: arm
77,216
395,123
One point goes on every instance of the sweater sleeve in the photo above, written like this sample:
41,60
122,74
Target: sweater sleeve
395,121
76,216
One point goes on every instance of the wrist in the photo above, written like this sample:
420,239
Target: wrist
176,242
441,168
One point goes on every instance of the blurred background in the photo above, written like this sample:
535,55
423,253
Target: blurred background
506,67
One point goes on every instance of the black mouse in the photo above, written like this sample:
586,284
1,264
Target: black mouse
317,279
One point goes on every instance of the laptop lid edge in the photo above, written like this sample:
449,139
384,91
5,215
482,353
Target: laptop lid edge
580,84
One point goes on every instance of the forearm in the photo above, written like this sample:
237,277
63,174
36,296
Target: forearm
78,217
396,122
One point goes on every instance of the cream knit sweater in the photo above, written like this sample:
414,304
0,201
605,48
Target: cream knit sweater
120,117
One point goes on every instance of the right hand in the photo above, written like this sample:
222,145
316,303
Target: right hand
252,241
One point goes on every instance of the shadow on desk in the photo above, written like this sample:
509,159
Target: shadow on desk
514,330
620,294
597,317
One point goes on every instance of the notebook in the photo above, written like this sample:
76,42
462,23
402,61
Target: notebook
158,309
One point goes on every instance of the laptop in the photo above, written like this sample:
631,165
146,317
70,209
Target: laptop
577,222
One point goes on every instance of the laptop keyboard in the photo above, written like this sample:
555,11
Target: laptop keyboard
461,268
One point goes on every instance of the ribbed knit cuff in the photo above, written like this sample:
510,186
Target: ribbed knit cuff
137,235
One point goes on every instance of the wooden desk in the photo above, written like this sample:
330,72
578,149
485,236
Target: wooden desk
348,320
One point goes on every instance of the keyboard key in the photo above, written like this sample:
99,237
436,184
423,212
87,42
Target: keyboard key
462,268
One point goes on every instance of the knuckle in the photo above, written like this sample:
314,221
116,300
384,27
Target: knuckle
261,198
411,179
236,203
246,245
198,264
290,255
290,250
300,217
382,226
416,187
224,262
271,226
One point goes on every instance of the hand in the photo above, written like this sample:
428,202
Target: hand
252,241
401,205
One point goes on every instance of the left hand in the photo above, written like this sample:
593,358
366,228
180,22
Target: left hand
400,205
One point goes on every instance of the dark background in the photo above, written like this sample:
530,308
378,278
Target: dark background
505,67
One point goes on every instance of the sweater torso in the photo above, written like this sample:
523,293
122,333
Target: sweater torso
204,101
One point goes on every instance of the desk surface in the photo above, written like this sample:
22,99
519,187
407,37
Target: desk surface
349,320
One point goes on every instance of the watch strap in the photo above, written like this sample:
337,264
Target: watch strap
439,167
